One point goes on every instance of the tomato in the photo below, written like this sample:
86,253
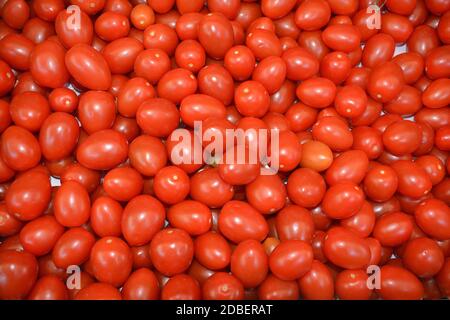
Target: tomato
342,200
306,187
49,288
212,250
341,37
273,288
443,278
102,150
266,193
73,247
346,249
191,216
98,291
90,179
402,137
208,187
316,155
72,204
291,259
238,221
399,283
380,183
171,251
111,260
106,217
70,35
249,263
29,195
263,43
222,286
20,149
393,228
142,218
58,136
433,217
240,62
317,283
198,107
423,257
294,223
352,285
93,72
9,225
413,181
422,40
19,273
300,63
435,96
40,235
252,99
121,54
181,287
141,285
317,92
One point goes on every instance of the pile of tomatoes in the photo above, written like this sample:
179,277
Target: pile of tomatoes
93,207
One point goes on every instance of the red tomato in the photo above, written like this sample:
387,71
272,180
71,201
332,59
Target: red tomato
399,283
317,283
249,263
72,204
171,251
29,195
142,218
19,273
346,249
291,259
223,286
111,261
73,247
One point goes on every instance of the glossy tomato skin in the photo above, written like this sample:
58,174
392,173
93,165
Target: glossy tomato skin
399,283
171,251
142,218
111,260
72,204
191,216
345,249
40,235
352,285
141,285
70,36
249,263
412,179
222,286
88,67
96,111
49,288
423,257
29,195
274,288
317,283
20,149
106,216
98,291
433,217
103,150
266,193
291,259
123,183
212,250
238,221
19,272
393,228
58,136
208,187
343,200
294,223
73,247
47,64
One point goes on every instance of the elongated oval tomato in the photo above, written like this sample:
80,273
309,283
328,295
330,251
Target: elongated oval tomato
103,150
88,67
47,64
